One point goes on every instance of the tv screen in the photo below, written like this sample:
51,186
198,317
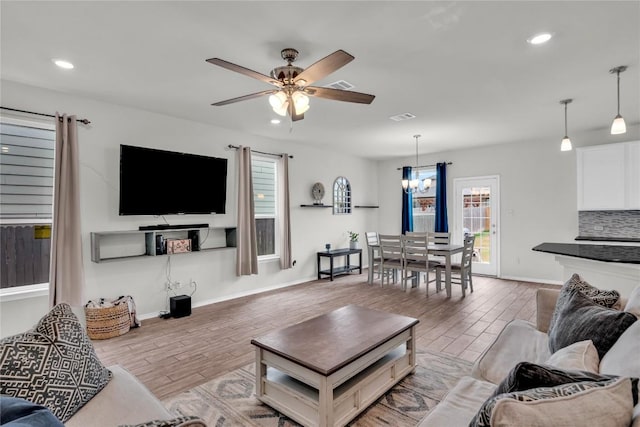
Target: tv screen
158,182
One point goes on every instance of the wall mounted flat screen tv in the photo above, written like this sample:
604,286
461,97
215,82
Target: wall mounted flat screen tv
159,182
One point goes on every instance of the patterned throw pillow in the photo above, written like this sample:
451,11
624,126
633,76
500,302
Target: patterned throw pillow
53,365
601,403
578,318
527,375
609,299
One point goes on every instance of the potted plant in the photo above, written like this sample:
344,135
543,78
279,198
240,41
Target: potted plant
353,240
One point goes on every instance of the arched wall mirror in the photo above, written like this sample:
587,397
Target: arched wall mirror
341,196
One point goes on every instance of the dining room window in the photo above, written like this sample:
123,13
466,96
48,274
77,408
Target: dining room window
264,175
424,201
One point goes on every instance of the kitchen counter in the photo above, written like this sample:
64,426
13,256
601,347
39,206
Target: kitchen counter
606,253
604,266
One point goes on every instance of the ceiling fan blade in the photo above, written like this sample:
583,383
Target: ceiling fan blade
297,117
242,70
339,95
324,67
245,97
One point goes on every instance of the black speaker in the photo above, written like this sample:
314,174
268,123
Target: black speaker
180,306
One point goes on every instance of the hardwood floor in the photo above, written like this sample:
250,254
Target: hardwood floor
173,355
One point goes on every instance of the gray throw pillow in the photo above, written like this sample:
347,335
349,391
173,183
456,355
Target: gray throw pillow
578,318
53,365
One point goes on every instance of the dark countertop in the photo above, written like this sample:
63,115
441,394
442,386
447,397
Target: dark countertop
606,253
608,239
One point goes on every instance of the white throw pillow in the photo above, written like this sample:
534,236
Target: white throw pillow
633,303
581,356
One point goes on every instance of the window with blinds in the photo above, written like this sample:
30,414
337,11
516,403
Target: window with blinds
26,197
26,172
264,175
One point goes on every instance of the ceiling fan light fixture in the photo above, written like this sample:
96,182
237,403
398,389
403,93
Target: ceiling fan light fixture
300,101
277,100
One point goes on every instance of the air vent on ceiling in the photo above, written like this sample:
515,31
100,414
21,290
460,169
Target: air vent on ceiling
341,85
403,116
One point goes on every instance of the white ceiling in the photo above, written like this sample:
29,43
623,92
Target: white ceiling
463,68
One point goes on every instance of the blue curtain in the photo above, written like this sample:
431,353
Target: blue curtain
442,223
407,203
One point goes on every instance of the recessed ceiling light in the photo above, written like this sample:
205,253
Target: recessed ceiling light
539,38
63,64
275,121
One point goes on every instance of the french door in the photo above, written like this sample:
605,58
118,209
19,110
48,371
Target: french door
477,211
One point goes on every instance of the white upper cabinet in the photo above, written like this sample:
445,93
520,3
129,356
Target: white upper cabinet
609,176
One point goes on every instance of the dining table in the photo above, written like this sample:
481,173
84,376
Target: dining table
444,250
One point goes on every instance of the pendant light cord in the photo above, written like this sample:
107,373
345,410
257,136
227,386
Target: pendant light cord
565,119
618,91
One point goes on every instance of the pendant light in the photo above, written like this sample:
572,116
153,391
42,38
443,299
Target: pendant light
412,186
565,145
618,126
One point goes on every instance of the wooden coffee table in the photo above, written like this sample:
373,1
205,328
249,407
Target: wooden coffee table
326,370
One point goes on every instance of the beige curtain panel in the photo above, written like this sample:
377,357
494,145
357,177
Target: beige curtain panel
284,217
66,272
247,251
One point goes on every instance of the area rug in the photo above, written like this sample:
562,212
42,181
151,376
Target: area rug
230,399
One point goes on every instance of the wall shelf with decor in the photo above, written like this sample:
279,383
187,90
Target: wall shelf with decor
316,206
109,246
366,206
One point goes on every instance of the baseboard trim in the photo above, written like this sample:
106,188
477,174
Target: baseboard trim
534,280
237,295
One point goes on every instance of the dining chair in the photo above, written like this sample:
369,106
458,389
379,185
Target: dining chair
416,260
461,272
439,238
373,250
391,256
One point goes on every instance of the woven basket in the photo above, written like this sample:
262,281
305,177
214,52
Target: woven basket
107,322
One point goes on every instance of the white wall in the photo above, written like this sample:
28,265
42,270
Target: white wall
144,278
538,196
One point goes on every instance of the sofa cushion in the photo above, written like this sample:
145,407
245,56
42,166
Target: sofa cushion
623,359
19,412
578,318
633,303
518,341
53,365
125,400
580,356
598,403
460,405
526,376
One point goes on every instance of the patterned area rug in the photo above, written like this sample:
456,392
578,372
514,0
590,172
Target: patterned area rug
229,400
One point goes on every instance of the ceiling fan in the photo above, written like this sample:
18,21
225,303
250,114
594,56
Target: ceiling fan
292,92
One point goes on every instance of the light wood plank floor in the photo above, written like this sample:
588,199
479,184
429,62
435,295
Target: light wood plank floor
174,355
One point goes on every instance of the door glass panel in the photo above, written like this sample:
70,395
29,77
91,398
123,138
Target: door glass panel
476,219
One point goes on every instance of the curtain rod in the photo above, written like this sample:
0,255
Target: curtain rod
83,121
423,166
261,152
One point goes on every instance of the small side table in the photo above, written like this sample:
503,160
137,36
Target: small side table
345,269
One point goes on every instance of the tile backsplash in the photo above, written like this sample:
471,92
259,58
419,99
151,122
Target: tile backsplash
614,224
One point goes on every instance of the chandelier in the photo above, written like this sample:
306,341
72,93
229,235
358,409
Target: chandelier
415,185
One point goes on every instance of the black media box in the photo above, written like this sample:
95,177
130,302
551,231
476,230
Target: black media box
180,306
